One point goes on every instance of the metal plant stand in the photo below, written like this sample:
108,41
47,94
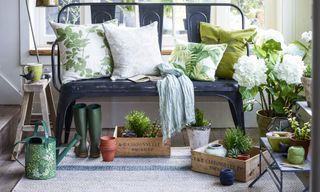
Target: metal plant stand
279,163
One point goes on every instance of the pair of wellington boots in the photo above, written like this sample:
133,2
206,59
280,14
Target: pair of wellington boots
88,117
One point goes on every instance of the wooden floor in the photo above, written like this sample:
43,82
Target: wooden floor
11,172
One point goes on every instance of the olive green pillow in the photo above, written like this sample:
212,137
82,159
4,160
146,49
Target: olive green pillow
236,41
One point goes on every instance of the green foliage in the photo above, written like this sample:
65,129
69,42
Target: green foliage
308,71
300,132
200,121
138,122
153,130
235,139
233,153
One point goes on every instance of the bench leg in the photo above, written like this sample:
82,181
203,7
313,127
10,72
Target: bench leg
64,102
236,107
68,122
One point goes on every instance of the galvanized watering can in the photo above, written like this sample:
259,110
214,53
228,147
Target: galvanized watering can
41,155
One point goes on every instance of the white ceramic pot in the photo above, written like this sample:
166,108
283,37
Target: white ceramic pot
198,136
216,149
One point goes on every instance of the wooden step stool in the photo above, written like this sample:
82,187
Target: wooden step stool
48,111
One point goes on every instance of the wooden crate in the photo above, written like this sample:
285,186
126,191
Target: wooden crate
212,165
140,146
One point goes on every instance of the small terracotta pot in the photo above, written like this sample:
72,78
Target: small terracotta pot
108,153
303,143
107,140
243,157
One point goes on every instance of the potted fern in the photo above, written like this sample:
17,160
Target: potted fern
199,132
237,144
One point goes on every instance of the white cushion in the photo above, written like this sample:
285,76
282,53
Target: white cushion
84,52
135,51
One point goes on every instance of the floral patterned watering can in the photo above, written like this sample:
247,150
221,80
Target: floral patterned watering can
41,155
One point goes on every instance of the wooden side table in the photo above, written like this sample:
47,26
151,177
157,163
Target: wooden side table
48,111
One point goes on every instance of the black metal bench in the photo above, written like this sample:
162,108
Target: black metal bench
104,87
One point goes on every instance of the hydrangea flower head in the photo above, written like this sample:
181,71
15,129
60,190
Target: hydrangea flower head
290,69
250,71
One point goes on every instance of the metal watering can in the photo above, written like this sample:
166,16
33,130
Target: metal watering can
41,155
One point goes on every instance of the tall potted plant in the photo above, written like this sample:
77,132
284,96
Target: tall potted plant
274,73
199,132
305,45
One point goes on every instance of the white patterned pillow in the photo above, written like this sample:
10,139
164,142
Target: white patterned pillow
135,51
84,51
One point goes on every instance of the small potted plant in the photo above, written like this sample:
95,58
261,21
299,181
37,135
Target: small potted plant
307,86
237,144
301,133
140,137
199,132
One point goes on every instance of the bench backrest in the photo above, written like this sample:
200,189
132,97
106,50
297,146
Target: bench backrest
148,13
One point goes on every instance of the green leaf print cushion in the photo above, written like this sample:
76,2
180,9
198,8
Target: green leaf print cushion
236,41
84,52
198,61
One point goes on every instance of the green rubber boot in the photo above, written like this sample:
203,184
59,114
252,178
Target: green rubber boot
94,120
80,120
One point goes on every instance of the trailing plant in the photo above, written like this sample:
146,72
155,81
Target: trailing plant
138,122
200,120
236,141
300,132
274,72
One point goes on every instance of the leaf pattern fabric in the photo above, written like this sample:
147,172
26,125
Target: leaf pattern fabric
198,61
84,51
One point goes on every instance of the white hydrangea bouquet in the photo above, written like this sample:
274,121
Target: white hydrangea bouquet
274,72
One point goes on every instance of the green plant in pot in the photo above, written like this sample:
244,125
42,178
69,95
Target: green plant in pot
199,132
274,73
301,133
138,124
306,46
237,144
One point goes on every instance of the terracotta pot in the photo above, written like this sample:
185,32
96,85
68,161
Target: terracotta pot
243,157
266,123
107,140
307,86
303,143
108,153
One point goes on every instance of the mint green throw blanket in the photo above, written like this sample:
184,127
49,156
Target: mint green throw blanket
176,100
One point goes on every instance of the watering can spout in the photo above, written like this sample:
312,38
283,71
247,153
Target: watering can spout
74,140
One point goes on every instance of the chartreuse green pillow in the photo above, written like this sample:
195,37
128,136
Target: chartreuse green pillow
236,41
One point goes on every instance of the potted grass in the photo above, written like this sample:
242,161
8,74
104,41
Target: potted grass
301,133
199,132
274,73
140,137
237,144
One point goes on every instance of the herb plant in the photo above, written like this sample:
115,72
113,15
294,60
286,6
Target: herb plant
300,132
236,142
200,120
138,122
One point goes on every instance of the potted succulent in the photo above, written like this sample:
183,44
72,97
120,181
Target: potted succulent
237,144
301,133
274,72
140,137
199,132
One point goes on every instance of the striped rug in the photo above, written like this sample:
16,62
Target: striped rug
142,174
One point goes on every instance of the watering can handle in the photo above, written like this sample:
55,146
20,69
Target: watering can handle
45,128
14,155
